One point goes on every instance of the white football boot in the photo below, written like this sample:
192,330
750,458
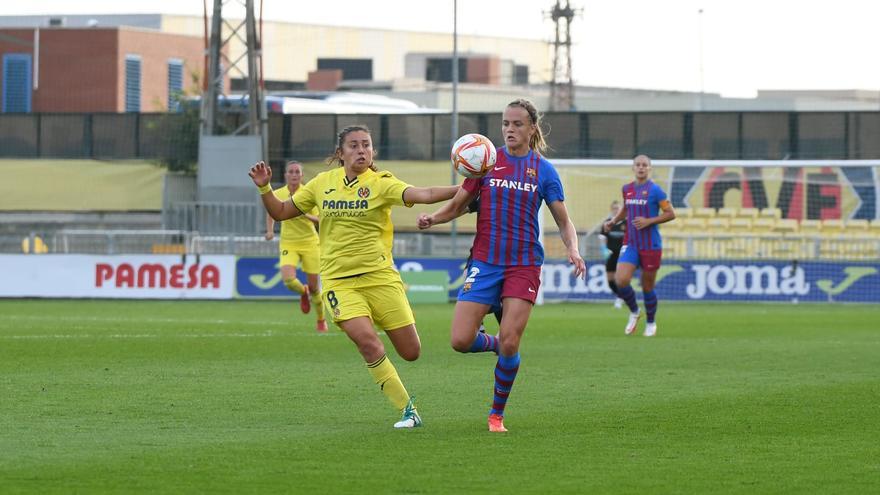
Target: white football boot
633,321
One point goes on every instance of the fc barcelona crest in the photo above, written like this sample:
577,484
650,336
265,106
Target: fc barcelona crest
531,172
644,193
364,192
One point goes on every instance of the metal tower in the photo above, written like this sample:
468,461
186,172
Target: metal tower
249,65
561,85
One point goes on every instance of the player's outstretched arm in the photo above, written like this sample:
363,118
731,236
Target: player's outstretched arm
569,237
279,210
453,209
428,195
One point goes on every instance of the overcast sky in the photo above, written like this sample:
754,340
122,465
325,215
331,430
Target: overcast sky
746,44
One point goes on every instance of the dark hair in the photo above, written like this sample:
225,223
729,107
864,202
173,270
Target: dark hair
536,142
340,140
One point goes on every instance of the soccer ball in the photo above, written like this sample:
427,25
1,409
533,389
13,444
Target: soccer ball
473,155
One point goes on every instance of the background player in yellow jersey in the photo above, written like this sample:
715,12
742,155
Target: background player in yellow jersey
361,285
299,242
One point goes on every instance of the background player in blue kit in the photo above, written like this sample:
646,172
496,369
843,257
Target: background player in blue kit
645,206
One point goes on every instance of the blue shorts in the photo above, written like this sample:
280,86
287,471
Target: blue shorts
485,283
646,259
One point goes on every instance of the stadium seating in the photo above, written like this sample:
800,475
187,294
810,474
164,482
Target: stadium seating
811,228
774,213
739,225
786,226
727,212
717,225
763,225
747,213
683,212
694,224
704,212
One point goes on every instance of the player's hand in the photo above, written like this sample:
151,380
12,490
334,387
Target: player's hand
269,235
641,222
606,227
260,173
425,221
580,267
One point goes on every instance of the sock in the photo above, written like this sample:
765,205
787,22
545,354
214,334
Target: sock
484,343
613,286
650,305
505,374
318,304
294,285
629,297
389,382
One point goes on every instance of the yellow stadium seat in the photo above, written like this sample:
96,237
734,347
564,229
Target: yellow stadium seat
763,225
683,212
770,213
672,226
874,227
704,212
694,224
787,249
717,225
728,212
832,226
747,212
740,225
786,226
856,227
811,228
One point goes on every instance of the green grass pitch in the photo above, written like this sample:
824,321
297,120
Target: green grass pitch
244,397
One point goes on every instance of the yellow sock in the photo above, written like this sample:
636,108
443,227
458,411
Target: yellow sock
386,376
318,304
294,285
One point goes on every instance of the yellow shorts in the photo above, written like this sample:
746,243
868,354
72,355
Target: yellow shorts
377,295
292,255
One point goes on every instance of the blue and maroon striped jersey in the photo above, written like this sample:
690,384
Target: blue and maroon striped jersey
510,199
645,200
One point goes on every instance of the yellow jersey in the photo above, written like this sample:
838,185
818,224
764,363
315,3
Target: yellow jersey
298,232
355,228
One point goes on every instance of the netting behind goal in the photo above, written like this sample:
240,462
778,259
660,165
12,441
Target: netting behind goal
744,230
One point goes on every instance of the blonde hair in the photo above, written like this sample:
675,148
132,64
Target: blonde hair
340,140
536,141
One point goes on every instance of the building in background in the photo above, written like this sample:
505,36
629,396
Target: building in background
96,69
410,65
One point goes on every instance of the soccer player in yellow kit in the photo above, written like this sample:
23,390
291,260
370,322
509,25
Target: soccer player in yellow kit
361,285
299,241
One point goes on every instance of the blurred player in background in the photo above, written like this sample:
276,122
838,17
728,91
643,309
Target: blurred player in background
299,242
612,240
361,285
507,255
645,206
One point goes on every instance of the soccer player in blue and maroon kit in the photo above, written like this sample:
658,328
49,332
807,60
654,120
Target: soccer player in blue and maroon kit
645,206
507,255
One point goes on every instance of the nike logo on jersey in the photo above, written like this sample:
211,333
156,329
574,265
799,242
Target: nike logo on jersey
531,290
328,191
500,168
